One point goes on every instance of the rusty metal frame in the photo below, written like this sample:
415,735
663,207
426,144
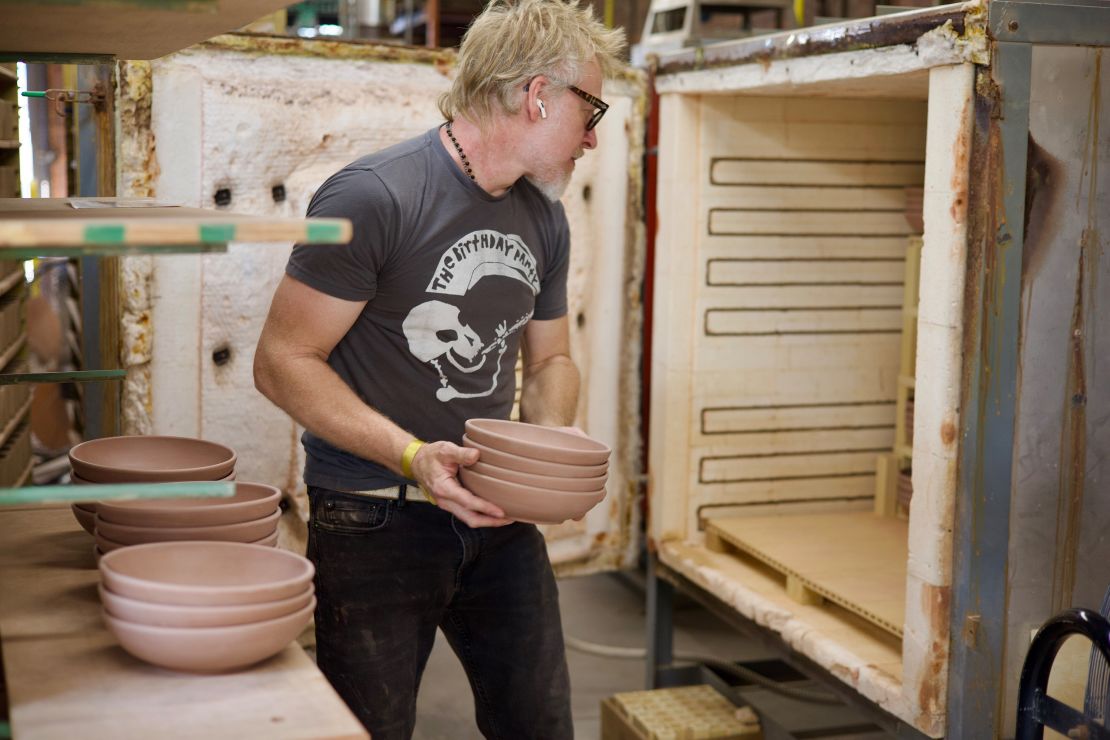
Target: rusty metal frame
982,536
1070,22
986,461
854,35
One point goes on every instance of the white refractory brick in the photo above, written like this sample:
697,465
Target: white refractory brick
135,276
936,444
136,339
937,390
945,202
930,537
925,653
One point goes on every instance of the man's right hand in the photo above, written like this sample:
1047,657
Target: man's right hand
436,467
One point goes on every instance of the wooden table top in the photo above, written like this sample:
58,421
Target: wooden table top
67,676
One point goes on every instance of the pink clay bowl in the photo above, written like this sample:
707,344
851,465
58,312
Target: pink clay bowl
163,615
107,545
78,480
538,442
510,461
239,532
557,483
104,545
146,459
205,573
528,504
251,501
84,517
209,649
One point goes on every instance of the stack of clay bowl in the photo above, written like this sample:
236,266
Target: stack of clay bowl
251,515
205,606
533,473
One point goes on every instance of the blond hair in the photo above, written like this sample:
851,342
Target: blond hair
513,41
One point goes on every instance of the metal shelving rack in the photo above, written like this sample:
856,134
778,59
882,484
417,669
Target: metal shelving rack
58,227
51,227
97,33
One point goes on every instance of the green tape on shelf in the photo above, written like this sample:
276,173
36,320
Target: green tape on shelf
114,492
323,232
5,731
106,234
217,233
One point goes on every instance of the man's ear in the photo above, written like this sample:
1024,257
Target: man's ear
533,97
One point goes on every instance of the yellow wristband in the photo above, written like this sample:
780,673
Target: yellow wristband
408,455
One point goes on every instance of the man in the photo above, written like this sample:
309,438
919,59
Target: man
383,348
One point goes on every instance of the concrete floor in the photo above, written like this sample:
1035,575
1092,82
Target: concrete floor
601,609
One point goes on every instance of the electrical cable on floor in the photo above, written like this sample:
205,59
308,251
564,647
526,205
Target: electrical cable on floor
744,674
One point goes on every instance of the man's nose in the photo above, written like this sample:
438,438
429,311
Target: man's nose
589,141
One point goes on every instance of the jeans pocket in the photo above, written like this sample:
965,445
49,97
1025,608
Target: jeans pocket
345,514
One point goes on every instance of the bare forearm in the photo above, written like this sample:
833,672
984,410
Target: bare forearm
307,389
549,393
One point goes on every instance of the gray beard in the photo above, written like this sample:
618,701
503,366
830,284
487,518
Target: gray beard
553,191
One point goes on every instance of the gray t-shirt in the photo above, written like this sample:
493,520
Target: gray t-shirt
450,274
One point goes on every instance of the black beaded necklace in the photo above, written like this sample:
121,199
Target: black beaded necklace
462,154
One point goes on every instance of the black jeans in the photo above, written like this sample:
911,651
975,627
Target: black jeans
388,575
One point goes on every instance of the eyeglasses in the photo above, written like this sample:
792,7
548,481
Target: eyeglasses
600,106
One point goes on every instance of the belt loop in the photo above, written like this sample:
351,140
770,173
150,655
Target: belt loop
401,495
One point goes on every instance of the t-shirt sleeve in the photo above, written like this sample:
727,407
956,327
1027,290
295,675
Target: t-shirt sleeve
349,271
551,303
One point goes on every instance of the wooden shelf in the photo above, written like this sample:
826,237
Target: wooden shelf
10,281
47,225
14,422
12,350
856,560
9,144
8,75
125,29
68,677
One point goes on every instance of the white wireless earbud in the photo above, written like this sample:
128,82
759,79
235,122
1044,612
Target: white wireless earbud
543,110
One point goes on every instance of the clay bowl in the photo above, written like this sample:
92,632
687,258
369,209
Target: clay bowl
579,485
84,517
250,531
538,442
79,481
147,459
269,540
251,501
528,504
164,615
205,573
107,545
208,649
510,461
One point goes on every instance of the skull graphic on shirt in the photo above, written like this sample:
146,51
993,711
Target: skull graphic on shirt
435,330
